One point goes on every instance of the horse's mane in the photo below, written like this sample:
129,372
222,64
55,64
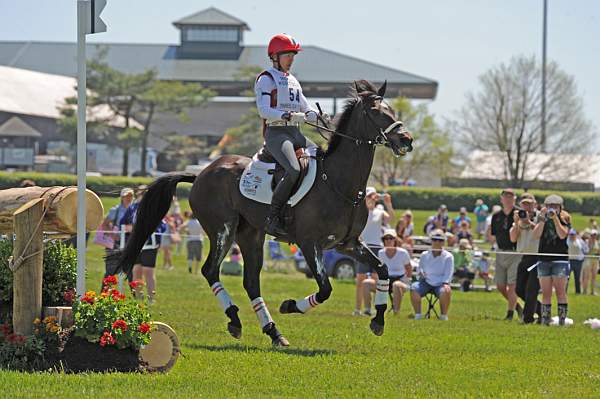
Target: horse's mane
359,86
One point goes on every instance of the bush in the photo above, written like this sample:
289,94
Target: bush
34,352
454,198
107,186
60,272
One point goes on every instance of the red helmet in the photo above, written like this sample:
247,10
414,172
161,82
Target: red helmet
282,43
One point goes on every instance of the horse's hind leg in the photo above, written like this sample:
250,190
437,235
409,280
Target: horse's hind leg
251,243
220,242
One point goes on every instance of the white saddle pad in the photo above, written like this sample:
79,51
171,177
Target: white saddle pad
255,183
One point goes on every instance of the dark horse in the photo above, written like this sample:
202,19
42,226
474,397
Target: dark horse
332,214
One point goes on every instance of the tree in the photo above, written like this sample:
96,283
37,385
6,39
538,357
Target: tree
432,147
504,115
167,97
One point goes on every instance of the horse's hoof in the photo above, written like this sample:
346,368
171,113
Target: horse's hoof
288,306
376,328
235,331
281,341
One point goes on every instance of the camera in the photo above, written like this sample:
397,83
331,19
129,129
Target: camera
551,212
522,214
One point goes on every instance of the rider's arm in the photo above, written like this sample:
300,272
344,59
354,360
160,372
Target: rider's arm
264,89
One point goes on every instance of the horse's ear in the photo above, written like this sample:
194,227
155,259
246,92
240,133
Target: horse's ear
381,91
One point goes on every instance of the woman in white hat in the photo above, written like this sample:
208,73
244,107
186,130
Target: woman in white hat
589,269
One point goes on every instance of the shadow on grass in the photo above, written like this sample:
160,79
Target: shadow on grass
244,348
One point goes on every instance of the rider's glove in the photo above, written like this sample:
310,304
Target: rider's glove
311,116
297,117
325,116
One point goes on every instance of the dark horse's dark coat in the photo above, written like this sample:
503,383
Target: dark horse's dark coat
325,218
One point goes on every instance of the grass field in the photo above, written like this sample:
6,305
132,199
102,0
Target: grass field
334,354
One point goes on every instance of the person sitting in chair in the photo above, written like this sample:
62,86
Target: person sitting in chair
282,106
435,269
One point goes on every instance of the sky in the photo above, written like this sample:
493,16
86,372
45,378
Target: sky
450,41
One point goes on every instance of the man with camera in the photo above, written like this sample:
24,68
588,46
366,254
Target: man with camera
506,262
521,233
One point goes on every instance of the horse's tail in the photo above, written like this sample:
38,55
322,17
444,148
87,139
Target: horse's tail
152,209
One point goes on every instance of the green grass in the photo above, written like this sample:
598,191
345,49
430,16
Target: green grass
334,354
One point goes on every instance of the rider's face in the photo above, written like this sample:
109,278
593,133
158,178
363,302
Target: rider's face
286,60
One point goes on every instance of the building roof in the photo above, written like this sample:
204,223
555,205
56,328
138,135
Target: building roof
313,67
573,168
211,16
33,93
16,127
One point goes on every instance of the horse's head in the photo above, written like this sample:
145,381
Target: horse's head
383,128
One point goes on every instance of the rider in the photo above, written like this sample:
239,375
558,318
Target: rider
283,107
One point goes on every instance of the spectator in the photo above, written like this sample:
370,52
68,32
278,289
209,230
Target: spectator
193,230
481,213
111,223
577,251
435,270
437,221
371,236
521,233
462,260
590,266
399,268
175,213
506,262
450,239
481,259
462,217
167,242
146,261
405,228
465,232
552,229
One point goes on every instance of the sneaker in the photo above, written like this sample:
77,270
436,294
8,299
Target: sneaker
509,315
443,317
356,312
368,312
190,270
519,310
418,316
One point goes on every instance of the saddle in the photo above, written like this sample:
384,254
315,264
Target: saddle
303,158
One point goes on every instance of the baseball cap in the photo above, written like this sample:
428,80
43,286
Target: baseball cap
463,210
126,191
509,191
527,197
553,199
594,232
388,233
463,242
438,235
370,190
443,206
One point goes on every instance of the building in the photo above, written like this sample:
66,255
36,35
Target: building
212,52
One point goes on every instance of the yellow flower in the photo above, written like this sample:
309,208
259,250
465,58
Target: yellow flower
36,321
54,328
90,294
50,319
104,294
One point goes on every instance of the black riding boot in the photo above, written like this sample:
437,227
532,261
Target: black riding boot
281,194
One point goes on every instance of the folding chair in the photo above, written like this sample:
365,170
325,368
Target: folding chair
276,254
431,302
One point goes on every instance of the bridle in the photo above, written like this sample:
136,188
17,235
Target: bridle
380,139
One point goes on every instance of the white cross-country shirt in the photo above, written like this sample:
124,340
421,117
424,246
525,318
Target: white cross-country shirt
396,263
278,92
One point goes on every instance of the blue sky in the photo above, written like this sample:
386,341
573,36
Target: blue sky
451,41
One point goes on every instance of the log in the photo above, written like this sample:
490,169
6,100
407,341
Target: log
62,214
27,275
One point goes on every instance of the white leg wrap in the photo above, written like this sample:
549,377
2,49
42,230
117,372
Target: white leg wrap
307,303
260,308
381,295
222,295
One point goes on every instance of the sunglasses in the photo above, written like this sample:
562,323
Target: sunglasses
438,239
389,238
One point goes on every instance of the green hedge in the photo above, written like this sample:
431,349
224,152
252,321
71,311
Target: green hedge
106,186
430,198
587,203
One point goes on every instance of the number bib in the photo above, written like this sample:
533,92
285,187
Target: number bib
288,92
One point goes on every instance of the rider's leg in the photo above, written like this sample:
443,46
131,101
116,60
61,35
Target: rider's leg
280,143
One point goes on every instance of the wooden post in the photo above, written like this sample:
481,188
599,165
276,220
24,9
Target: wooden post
27,276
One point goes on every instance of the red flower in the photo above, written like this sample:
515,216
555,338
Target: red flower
107,338
5,328
116,295
144,328
135,284
69,296
109,281
16,338
120,325
88,299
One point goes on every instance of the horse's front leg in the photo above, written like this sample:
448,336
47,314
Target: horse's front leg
363,254
313,254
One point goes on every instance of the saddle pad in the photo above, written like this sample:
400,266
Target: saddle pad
255,183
